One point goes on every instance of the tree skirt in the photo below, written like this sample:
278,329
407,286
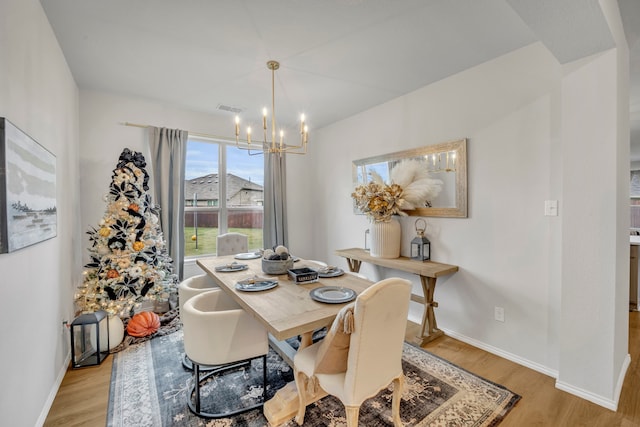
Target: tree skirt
149,387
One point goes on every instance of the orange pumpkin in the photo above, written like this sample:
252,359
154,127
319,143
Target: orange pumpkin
143,324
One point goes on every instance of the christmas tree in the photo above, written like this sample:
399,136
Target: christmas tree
129,262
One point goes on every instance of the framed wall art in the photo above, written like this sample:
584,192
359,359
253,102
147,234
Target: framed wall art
28,212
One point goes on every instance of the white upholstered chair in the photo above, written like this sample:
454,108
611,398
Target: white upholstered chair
217,331
193,286
370,358
189,288
231,244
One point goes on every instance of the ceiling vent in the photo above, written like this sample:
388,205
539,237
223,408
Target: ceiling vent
230,108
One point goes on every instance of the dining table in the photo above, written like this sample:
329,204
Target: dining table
286,309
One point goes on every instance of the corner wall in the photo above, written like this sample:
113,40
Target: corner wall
510,255
38,95
504,107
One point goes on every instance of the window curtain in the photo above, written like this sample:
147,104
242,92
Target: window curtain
275,201
168,152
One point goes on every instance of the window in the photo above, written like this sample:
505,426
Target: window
223,193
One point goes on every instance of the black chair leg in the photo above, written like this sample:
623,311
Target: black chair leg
194,393
196,380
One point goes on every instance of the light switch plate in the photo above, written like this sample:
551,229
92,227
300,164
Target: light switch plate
551,208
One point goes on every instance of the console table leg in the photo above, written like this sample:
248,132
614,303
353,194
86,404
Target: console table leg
354,265
430,329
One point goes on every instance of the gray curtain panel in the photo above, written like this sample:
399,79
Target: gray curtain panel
275,201
168,152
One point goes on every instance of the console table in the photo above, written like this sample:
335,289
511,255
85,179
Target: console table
428,271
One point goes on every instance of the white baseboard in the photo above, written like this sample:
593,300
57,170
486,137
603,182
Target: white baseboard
597,399
54,391
505,355
576,391
415,316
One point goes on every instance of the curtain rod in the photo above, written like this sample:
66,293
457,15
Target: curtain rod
201,135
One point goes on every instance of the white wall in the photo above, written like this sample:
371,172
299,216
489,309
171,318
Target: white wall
38,94
595,116
512,111
504,109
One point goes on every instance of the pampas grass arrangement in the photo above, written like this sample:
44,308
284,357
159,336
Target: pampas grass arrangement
416,182
411,187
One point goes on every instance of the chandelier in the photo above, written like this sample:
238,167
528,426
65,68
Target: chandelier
273,145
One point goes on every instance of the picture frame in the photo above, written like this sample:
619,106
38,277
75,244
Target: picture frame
28,208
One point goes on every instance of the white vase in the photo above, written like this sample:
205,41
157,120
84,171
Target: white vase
385,238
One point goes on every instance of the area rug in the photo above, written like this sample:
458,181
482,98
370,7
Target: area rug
149,387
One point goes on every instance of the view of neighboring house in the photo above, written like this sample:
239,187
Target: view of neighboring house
203,191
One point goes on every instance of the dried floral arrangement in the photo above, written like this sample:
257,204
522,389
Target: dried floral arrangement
409,188
129,262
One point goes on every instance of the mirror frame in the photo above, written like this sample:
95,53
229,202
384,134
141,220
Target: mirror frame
459,146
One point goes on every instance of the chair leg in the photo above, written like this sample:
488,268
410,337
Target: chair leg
301,384
196,380
352,415
398,385
264,379
194,398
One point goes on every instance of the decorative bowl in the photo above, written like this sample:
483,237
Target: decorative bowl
277,266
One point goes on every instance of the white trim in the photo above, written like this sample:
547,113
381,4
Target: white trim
597,399
576,391
505,355
54,391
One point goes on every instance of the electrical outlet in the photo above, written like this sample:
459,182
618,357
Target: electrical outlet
498,314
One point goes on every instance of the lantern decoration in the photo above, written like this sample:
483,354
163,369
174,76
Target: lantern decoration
89,333
420,245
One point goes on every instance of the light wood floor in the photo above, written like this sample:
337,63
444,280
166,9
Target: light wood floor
82,398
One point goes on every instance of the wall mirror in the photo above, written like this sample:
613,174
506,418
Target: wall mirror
446,161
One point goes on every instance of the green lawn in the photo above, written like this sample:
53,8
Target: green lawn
207,240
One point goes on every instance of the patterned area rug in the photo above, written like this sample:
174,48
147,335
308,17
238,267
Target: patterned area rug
149,387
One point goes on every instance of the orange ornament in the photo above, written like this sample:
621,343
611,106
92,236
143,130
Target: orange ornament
138,246
134,207
112,274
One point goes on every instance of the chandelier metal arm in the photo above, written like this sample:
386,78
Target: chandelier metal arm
272,146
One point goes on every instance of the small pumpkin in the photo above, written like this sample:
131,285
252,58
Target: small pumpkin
143,324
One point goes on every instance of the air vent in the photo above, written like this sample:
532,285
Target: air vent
230,108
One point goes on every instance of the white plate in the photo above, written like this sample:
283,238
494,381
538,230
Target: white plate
234,266
332,294
251,286
248,255
330,273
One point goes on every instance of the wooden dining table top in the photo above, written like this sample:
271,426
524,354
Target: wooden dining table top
286,310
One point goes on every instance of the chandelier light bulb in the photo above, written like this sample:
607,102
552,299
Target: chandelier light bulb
269,145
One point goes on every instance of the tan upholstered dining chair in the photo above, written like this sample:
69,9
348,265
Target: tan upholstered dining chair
362,352
231,244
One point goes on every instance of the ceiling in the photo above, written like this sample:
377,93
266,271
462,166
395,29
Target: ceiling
338,57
